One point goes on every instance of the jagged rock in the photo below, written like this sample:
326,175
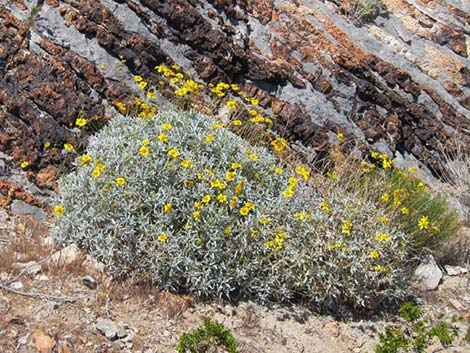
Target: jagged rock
402,79
22,208
90,282
31,267
66,256
455,270
427,275
108,328
16,285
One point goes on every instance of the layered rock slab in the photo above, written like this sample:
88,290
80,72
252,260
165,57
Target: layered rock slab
402,81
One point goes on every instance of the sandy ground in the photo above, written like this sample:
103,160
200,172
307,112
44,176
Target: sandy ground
145,320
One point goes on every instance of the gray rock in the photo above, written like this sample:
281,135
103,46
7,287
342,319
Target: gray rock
31,267
3,168
66,256
90,282
22,208
428,274
455,270
16,285
108,328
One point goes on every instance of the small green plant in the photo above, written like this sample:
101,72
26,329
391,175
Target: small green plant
361,11
209,338
410,312
415,334
425,216
33,13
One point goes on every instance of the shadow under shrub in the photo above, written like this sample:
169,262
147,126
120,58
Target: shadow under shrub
185,202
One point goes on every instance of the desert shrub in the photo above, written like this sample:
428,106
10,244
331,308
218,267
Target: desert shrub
210,338
183,201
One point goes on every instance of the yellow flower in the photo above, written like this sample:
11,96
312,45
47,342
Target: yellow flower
151,94
162,137
265,220
227,231
162,237
222,198
230,176
375,254
216,126
340,136
385,197
68,147
237,122
423,223
300,216
325,207
96,173
278,171
252,156
231,104
412,170
346,227
234,87
146,142
168,208
289,192
209,171
102,67
437,229
47,144
144,151
332,175
244,211
197,215
404,210
292,181
233,202
421,186
301,170
59,210
206,199
235,166
24,164
120,181
167,126
378,268
138,78
209,138
86,158
173,153
384,219
279,144
239,187
374,154
100,167
81,122
383,237
387,164
186,164
218,184
198,205
254,101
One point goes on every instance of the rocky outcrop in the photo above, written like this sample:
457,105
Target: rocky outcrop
400,83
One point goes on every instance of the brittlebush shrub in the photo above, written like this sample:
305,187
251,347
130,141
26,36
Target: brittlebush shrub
185,202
